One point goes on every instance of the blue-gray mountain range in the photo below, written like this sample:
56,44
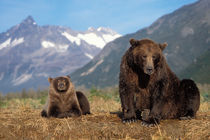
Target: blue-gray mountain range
30,53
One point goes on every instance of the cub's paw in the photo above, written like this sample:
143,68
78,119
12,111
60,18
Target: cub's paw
145,114
146,124
131,120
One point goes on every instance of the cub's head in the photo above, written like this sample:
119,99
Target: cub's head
60,84
146,54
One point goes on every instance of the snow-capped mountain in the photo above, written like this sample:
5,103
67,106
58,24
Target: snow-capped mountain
30,53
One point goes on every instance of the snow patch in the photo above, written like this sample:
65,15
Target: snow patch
106,30
88,55
109,38
21,79
47,44
58,47
8,42
17,41
99,29
71,38
5,43
92,39
92,68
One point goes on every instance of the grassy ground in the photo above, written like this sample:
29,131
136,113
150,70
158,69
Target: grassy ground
20,119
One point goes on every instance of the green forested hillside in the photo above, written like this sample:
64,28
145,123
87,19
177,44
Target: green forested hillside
199,70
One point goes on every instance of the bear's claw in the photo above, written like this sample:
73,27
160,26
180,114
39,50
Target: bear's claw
131,120
143,123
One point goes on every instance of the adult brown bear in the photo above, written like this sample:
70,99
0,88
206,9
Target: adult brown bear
146,83
63,101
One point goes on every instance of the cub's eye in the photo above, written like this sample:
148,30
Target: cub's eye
153,57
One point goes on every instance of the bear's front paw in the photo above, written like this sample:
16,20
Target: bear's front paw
44,113
62,115
129,117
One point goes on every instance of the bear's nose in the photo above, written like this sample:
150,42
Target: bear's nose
149,70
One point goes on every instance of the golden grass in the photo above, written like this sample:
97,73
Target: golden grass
22,121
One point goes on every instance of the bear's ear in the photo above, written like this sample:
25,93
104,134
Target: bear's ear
134,42
163,46
68,76
50,79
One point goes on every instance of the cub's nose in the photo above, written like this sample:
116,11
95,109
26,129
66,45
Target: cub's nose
61,85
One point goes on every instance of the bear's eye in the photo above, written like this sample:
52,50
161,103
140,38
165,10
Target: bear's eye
153,57
144,56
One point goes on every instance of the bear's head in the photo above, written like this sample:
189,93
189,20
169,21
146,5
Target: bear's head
60,84
146,54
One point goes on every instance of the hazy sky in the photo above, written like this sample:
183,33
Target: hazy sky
123,16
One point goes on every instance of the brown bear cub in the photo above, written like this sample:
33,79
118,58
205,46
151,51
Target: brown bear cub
149,90
63,101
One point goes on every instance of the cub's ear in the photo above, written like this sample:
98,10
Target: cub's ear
134,42
163,46
50,79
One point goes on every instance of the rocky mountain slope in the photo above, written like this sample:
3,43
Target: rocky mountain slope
29,53
186,30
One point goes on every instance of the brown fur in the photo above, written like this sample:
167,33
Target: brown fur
147,82
62,99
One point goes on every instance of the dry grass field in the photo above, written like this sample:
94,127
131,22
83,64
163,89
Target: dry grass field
21,119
